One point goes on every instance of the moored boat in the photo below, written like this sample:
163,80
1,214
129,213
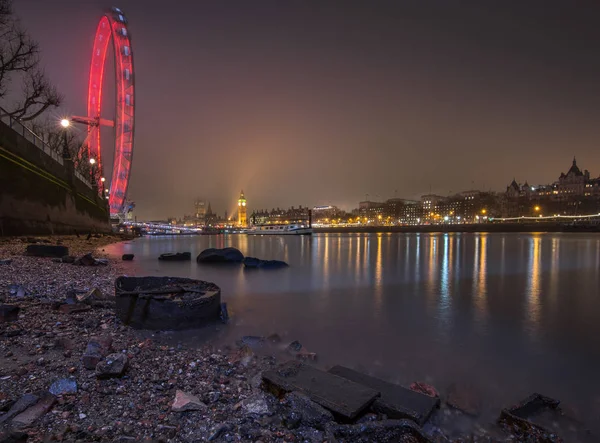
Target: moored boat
291,229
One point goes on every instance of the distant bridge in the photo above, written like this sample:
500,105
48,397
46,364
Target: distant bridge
161,228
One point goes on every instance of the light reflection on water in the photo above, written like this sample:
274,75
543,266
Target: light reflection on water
510,313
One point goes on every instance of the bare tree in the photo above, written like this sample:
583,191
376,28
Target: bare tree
20,63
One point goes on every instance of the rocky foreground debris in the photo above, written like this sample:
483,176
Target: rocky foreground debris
71,371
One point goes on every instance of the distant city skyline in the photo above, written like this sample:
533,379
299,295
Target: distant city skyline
299,103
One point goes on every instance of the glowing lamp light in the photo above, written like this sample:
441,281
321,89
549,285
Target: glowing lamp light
65,123
102,179
92,161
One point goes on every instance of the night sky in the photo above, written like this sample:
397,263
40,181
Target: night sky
322,101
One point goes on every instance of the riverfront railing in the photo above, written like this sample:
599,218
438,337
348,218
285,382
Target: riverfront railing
37,141
29,135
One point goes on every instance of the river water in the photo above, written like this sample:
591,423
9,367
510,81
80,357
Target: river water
510,314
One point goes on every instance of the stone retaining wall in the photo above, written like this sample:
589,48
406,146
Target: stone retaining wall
39,192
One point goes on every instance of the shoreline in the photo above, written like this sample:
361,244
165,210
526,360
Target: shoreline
45,345
467,228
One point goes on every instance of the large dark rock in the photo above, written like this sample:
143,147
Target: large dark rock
166,302
256,263
127,257
9,313
225,255
176,256
113,365
38,250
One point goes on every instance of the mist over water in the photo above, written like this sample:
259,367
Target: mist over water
511,314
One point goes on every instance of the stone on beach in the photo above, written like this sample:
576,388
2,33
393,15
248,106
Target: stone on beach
256,405
256,263
89,298
97,348
424,388
5,262
89,260
113,365
175,256
63,386
225,255
186,402
9,313
127,257
69,308
37,250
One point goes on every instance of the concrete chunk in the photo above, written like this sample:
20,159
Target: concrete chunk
395,401
340,395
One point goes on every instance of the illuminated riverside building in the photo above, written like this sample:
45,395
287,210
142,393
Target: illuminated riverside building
574,193
280,216
324,214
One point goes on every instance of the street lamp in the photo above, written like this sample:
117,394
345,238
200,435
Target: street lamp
537,209
93,163
65,123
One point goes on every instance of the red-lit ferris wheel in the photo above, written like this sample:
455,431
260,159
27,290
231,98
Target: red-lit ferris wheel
113,24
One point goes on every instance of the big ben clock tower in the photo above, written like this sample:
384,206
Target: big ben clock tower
242,210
